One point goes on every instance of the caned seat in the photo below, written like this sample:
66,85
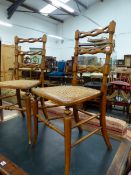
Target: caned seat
67,95
72,96
19,84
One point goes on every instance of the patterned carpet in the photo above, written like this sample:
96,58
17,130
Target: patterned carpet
115,127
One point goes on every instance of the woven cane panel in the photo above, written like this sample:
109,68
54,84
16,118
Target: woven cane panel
19,84
66,95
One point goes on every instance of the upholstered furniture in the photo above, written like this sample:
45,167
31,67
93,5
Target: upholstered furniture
0,59
58,75
60,70
74,95
21,84
121,91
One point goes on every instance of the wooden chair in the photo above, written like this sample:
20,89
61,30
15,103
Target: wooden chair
21,84
73,95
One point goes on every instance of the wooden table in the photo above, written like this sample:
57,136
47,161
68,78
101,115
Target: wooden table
7,167
121,162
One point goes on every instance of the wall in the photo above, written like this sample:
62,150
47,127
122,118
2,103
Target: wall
26,25
102,13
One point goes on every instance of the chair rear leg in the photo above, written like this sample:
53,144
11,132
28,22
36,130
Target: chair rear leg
103,123
67,139
1,112
43,108
19,101
76,117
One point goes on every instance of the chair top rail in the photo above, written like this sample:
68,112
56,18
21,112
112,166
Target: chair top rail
28,40
108,29
29,52
94,32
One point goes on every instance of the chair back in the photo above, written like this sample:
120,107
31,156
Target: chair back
23,59
93,45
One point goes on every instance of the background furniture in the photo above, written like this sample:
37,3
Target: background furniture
127,60
0,81
8,167
72,96
121,91
7,61
58,74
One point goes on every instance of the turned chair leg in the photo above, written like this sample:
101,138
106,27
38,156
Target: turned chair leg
35,112
67,139
28,112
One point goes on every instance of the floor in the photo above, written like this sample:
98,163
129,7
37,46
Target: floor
47,157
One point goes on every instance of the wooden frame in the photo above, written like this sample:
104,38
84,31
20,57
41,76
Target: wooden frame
73,95
127,59
120,162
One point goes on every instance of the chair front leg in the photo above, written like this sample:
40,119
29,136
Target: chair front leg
28,113
67,139
103,123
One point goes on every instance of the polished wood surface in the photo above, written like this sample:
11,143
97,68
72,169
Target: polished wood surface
7,167
119,163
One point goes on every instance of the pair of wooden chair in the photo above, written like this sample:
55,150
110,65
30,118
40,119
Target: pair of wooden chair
72,96
19,84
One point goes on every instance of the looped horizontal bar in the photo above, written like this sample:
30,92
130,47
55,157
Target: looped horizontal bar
29,40
29,53
30,65
94,32
93,50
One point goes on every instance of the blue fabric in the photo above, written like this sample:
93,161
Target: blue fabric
61,66
55,73
60,71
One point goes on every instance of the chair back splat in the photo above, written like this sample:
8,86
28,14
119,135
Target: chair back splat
71,96
93,46
39,65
